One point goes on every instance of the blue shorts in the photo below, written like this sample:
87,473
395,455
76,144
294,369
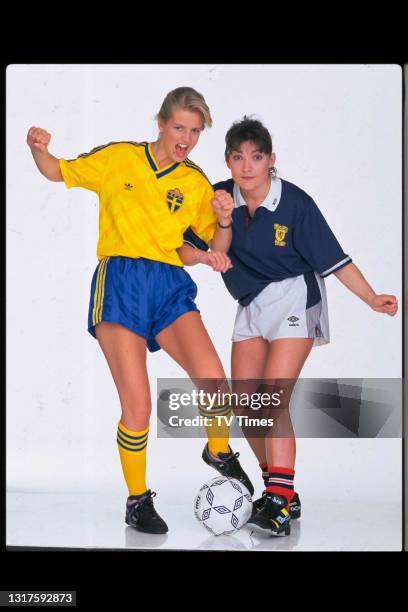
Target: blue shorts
141,294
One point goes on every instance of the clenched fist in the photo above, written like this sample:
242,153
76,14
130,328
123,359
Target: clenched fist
38,139
223,204
388,304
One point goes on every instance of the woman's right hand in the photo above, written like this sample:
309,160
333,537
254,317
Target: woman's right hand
38,139
218,261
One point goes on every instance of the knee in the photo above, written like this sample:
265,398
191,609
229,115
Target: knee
135,417
135,405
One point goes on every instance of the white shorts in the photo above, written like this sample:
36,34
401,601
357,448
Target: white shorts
282,310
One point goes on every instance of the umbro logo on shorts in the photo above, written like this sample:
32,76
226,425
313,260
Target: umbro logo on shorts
293,320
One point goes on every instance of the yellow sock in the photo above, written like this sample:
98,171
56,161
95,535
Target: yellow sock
132,450
217,429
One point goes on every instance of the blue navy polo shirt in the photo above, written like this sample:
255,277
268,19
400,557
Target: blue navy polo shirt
287,236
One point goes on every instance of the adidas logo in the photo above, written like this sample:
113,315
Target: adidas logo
128,186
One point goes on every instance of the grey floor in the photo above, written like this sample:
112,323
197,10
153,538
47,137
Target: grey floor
85,520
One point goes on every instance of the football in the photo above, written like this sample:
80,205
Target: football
223,505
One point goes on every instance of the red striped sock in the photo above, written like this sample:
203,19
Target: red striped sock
280,481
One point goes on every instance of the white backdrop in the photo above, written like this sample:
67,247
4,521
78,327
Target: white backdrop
337,134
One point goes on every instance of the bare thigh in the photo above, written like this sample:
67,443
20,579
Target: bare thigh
283,365
125,353
285,361
248,358
269,366
286,357
187,341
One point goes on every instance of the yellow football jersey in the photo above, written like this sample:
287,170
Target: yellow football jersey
143,210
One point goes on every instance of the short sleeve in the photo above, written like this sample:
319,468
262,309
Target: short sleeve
315,241
87,170
192,239
205,223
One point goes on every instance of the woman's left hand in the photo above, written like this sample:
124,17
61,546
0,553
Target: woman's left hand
384,303
218,261
223,204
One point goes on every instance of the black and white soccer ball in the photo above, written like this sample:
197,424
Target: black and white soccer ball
223,505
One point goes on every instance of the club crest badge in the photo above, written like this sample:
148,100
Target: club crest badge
280,233
174,199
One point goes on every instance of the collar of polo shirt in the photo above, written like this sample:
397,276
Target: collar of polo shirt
271,201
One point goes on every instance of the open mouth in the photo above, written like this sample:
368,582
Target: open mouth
181,150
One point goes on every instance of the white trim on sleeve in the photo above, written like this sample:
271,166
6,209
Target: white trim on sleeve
335,267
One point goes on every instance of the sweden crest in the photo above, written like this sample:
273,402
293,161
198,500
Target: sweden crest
174,199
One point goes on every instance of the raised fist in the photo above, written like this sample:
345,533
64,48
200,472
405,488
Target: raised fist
38,139
223,204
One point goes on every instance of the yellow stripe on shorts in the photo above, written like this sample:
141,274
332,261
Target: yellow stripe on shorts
99,292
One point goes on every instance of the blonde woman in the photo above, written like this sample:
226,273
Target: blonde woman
141,296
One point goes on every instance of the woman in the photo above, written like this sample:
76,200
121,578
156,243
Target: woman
281,251
141,296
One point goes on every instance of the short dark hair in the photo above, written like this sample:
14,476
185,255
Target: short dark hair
248,130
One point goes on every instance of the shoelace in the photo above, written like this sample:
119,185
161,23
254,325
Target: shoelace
234,456
148,504
147,501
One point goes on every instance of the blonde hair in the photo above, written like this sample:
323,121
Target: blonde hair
185,98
